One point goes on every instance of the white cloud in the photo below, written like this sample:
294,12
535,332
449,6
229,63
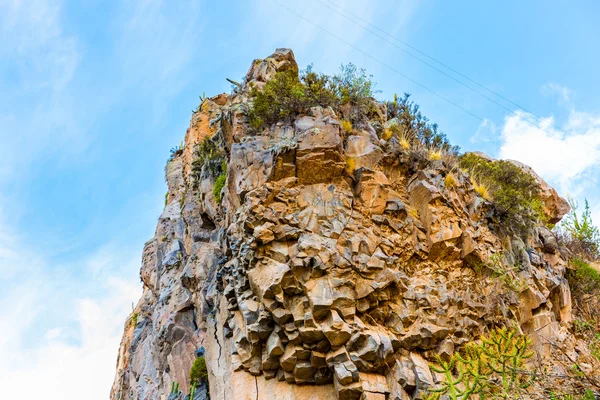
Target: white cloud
61,324
562,93
563,156
487,131
62,332
37,64
60,369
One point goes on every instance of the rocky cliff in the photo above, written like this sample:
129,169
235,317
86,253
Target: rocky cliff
331,264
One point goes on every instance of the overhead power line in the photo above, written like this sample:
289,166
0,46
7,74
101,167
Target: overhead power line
537,126
404,75
379,61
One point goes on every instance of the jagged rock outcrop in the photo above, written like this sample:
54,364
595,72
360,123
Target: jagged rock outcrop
330,269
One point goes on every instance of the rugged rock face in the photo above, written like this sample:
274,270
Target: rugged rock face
328,270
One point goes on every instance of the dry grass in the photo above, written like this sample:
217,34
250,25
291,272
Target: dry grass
450,180
350,165
346,126
404,143
412,212
434,155
481,190
387,134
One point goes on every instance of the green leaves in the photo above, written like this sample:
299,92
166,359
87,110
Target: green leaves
199,373
515,193
476,371
219,185
290,94
584,237
415,126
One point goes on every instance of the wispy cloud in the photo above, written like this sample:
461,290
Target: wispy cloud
61,325
566,156
37,64
487,131
283,28
555,90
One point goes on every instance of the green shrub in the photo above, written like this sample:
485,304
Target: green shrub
579,233
199,373
219,185
354,89
583,278
490,369
208,158
176,151
134,319
514,192
289,94
415,128
281,99
508,274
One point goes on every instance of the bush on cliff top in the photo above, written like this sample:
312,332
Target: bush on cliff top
514,193
413,127
290,94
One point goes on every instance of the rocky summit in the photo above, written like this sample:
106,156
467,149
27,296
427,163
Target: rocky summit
310,259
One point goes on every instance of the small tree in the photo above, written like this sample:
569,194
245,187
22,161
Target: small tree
579,233
199,373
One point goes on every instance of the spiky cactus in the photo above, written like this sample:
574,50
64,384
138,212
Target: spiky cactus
471,374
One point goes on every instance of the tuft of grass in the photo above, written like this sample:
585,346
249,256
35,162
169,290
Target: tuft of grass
350,164
481,190
412,212
404,143
387,134
450,180
434,155
346,126
198,372
512,189
182,199
583,277
166,198
219,185
134,319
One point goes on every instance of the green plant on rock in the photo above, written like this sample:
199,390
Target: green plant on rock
174,388
176,151
508,274
202,98
595,346
579,233
290,93
199,373
209,158
514,192
192,391
489,369
583,278
219,185
414,128
134,318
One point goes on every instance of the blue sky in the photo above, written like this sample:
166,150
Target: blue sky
93,94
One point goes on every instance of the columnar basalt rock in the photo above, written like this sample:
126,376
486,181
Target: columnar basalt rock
328,269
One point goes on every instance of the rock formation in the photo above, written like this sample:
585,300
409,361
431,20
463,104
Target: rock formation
330,266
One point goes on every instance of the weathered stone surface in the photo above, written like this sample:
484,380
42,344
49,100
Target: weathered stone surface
337,265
